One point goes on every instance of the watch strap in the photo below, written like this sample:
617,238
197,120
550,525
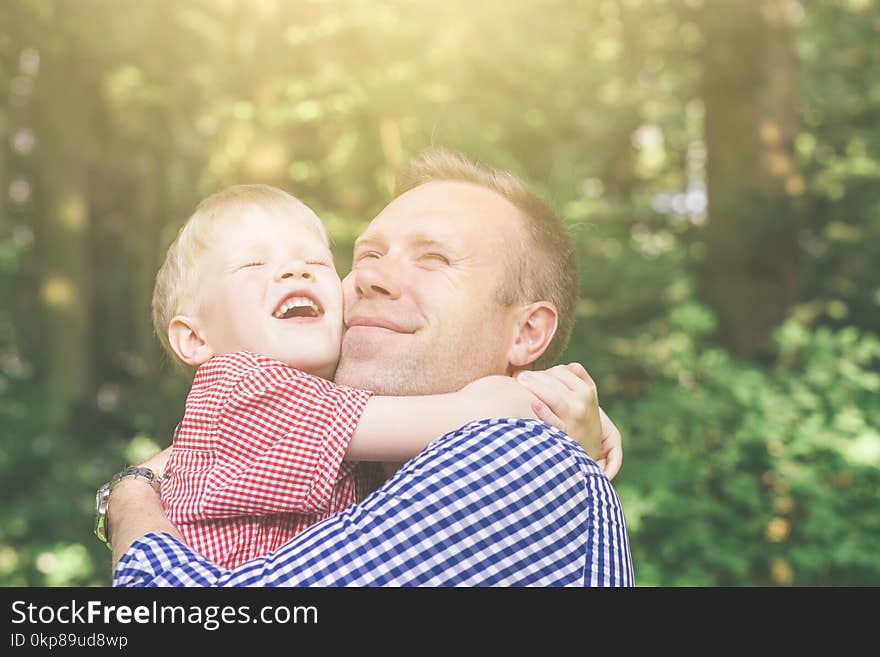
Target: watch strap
102,496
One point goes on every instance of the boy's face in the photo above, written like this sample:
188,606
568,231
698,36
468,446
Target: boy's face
269,285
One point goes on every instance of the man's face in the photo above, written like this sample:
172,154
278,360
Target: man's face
421,314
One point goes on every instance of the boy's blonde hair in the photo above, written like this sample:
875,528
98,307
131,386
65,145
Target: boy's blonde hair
177,283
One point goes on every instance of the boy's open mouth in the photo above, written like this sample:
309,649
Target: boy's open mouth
297,306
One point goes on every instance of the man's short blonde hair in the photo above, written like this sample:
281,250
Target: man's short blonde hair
178,281
542,266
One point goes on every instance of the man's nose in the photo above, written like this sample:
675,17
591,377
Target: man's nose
377,278
296,269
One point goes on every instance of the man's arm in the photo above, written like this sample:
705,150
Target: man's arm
134,510
496,503
398,428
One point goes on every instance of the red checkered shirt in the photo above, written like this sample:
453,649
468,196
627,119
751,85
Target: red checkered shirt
258,456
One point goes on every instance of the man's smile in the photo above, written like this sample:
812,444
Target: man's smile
364,322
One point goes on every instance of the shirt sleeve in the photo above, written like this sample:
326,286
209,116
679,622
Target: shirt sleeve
158,559
281,438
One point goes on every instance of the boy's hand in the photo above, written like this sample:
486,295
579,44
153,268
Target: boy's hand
568,399
611,453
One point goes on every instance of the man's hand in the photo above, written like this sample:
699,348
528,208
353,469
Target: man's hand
157,462
135,509
568,399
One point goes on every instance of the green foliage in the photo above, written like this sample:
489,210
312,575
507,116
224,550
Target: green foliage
736,474
117,116
39,527
50,467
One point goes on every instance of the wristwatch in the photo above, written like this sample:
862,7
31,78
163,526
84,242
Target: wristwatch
102,497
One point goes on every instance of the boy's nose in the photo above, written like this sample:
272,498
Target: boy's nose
294,270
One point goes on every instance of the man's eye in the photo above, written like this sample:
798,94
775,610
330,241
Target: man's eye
256,263
436,257
367,255
322,263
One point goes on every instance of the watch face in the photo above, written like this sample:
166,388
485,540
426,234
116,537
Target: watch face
101,498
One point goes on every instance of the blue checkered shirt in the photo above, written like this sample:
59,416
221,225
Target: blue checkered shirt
497,503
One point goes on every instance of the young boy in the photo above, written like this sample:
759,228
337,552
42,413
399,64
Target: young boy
249,294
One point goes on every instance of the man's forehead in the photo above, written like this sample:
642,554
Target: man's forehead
442,211
423,230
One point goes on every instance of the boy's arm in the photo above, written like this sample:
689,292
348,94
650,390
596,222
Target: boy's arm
398,428
280,441
564,396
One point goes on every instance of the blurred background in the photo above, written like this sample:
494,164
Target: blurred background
717,160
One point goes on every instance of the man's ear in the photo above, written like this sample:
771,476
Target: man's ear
185,336
535,327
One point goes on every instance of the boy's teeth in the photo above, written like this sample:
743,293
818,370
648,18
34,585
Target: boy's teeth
295,302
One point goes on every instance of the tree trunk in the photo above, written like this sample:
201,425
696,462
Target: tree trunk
62,246
750,276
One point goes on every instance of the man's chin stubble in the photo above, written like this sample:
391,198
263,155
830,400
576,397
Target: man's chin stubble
383,378
367,367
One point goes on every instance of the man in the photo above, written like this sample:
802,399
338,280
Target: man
465,274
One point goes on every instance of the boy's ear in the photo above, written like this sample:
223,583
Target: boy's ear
534,329
185,336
